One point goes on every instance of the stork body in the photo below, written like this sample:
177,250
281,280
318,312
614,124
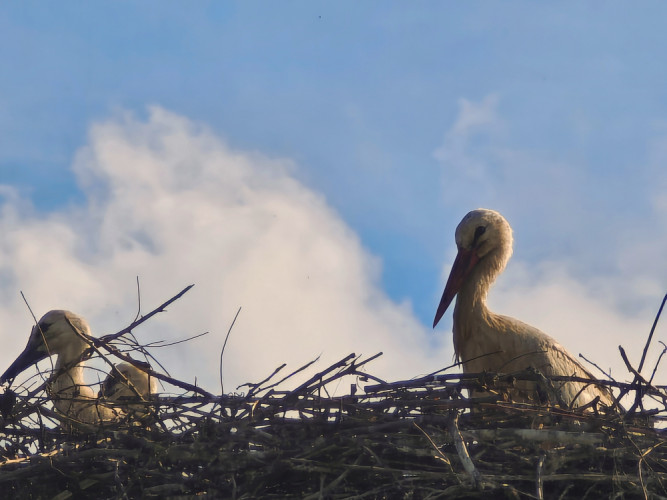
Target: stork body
127,384
66,335
485,341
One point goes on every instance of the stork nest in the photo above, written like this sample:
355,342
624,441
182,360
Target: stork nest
423,438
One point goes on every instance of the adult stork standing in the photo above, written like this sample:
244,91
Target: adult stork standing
485,341
67,335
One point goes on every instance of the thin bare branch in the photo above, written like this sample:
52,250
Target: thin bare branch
650,335
222,352
159,309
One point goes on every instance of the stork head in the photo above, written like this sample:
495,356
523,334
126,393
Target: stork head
116,385
57,332
482,236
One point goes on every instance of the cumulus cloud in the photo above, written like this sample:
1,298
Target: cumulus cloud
170,202
589,275
474,121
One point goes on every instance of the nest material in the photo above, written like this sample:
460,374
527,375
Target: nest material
412,439
423,438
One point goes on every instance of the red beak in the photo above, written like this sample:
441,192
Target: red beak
463,264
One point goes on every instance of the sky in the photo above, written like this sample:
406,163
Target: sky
310,163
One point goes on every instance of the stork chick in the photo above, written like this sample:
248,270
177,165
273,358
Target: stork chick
128,383
485,341
65,334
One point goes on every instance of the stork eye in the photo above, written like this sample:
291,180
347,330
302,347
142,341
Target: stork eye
479,232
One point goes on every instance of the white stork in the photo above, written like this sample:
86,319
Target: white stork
127,384
485,341
65,334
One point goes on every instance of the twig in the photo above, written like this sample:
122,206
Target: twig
639,382
540,466
352,369
657,363
321,374
46,344
159,376
462,449
28,306
441,455
323,493
298,370
650,335
138,301
259,384
108,338
596,366
161,343
222,352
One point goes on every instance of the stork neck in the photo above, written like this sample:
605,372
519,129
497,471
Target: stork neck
474,290
68,380
69,371
471,298
470,311
471,301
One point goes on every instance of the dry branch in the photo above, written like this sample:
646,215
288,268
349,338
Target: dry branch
421,438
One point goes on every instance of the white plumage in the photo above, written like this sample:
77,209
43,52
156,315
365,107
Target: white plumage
64,333
127,384
485,341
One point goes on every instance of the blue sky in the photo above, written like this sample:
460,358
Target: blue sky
396,118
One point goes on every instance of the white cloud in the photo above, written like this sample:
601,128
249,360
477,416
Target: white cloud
172,203
474,119
169,201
